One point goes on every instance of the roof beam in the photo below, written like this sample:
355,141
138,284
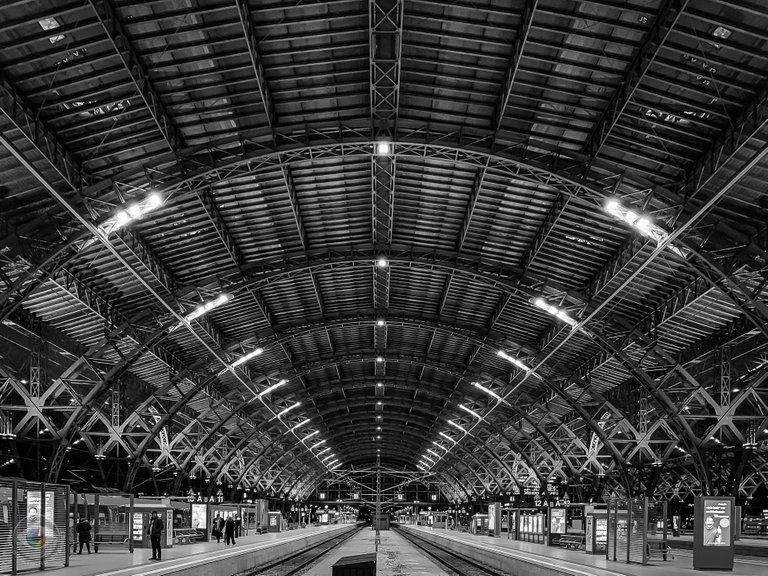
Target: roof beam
529,13
669,13
385,40
121,42
251,41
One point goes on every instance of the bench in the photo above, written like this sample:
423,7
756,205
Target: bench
571,541
261,530
185,535
108,539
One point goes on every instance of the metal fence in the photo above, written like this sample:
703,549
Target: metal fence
35,526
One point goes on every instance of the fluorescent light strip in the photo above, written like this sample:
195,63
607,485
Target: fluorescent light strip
132,212
272,388
457,425
487,391
247,357
435,454
513,360
316,444
308,436
428,458
436,443
207,307
554,311
326,458
286,410
470,411
300,424
444,435
322,451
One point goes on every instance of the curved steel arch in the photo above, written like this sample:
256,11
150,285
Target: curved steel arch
428,409
549,169
406,432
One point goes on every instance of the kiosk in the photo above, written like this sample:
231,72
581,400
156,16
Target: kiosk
275,522
713,532
557,525
596,532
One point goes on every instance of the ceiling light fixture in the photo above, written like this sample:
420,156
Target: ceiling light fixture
457,425
272,388
383,148
642,223
513,360
207,307
323,451
444,435
244,359
286,410
300,424
380,322
308,436
435,454
133,211
554,311
487,391
470,411
436,443
382,262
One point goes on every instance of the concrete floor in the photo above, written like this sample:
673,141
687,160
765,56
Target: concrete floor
396,556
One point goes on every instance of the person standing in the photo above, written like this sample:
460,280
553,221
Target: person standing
218,528
229,531
83,529
155,531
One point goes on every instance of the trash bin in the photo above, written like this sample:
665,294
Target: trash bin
360,565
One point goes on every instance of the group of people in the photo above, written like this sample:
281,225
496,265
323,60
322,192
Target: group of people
224,528
154,530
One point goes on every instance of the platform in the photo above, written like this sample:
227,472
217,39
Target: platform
396,556
508,555
752,547
196,559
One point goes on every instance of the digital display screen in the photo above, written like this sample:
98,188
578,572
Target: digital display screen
717,522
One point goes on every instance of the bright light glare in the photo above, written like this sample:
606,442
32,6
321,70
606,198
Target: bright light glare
457,425
207,307
444,435
128,214
382,262
383,148
514,361
486,390
435,454
286,410
308,436
300,424
436,443
380,322
244,359
272,388
470,411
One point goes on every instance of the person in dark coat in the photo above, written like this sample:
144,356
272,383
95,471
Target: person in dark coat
229,531
83,529
218,528
155,531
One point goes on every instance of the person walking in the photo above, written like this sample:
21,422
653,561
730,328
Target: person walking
229,531
218,528
83,529
155,531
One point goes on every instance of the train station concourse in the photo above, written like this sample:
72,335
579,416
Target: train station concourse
393,277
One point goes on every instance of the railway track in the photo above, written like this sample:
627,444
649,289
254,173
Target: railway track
451,562
296,564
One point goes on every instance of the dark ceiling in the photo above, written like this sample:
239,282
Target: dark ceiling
578,185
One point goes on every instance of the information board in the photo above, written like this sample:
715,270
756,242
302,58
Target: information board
138,526
557,521
713,533
200,517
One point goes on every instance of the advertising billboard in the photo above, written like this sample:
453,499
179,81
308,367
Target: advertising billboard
716,529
